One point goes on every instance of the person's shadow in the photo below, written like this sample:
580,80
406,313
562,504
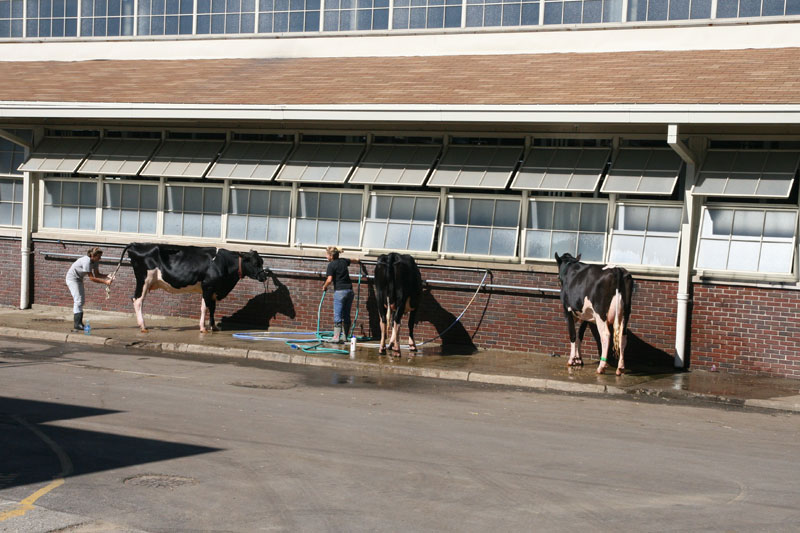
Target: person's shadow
261,309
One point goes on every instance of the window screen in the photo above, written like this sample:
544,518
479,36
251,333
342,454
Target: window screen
386,164
120,157
478,167
320,163
646,235
11,157
652,171
565,227
259,214
562,169
10,202
250,161
130,207
193,211
58,154
70,204
480,226
328,218
750,240
760,173
397,222
182,159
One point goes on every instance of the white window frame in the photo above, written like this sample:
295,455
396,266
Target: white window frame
387,221
42,195
444,225
578,232
17,184
268,216
761,240
297,218
122,182
163,228
644,234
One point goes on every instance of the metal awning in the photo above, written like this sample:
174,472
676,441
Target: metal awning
250,160
182,159
320,163
58,154
119,157
476,167
643,171
759,173
389,164
562,169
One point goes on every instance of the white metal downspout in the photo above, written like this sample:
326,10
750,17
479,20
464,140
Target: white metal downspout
687,244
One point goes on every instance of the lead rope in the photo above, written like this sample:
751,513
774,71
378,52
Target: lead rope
462,312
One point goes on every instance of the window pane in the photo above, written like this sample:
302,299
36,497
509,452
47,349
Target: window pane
481,214
717,222
379,207
537,244
236,226
279,203
212,226
743,256
52,192
129,222
149,197
111,196
626,249
506,213
590,246
779,224
327,233
193,199
238,201
593,217
421,237
52,217
69,217
453,239
306,231
540,215
278,230
88,194
775,257
397,236
349,233
402,208
351,207
661,251
256,228
426,209
478,240
748,223
147,222
172,223
566,216
712,254
259,203
631,218
563,243
457,210
174,199
373,234
110,220
69,193
192,225
130,196
665,219
504,242
308,205
212,200
329,205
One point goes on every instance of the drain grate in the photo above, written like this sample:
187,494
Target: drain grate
159,481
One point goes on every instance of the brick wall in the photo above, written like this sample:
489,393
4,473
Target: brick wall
521,321
746,330
9,268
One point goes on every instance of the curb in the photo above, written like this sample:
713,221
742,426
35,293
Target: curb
541,384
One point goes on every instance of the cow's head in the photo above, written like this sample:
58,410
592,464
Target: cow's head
564,261
253,266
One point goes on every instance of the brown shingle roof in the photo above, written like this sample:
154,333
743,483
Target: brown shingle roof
755,76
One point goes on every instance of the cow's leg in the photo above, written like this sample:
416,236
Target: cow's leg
384,317
212,307
605,341
412,316
623,341
574,343
143,283
394,342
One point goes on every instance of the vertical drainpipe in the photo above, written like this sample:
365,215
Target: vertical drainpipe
26,241
688,239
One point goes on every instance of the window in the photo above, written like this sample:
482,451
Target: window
193,211
328,218
761,173
396,222
476,167
70,204
130,207
669,9
320,162
281,16
396,164
11,15
256,214
565,227
502,12
166,17
410,14
750,240
106,17
582,11
646,235
52,18
10,202
11,157
756,8
562,169
480,226
226,16
343,15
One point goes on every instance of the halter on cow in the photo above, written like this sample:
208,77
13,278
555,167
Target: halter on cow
598,294
398,289
213,272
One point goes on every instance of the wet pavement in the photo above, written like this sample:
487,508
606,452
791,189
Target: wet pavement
525,370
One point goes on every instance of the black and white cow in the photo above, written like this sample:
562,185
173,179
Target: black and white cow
398,289
598,294
213,272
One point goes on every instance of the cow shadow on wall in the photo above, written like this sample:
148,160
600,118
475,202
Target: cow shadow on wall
262,309
641,358
455,338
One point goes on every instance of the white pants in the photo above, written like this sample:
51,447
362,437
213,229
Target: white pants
76,289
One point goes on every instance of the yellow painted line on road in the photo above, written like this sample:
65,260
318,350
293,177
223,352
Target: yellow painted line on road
66,469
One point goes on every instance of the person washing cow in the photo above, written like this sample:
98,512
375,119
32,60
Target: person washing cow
338,276
87,265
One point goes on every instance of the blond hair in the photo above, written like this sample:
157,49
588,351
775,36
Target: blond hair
91,252
334,251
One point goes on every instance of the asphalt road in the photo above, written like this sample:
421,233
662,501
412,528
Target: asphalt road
95,440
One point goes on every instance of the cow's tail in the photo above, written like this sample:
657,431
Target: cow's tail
121,259
618,318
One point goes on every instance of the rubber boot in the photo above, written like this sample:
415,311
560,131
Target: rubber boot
77,322
337,333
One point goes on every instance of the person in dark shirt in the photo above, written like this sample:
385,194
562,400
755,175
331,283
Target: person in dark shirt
339,277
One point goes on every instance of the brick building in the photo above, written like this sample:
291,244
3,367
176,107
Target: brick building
480,136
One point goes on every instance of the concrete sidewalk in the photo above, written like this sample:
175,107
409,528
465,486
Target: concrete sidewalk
531,370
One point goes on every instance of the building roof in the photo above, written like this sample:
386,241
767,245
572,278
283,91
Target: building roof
733,77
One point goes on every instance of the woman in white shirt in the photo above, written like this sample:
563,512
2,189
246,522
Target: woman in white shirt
86,265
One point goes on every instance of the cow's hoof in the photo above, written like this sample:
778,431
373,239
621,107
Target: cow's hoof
144,330
382,351
203,330
601,370
619,371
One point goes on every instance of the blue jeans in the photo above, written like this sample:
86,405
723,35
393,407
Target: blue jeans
342,303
